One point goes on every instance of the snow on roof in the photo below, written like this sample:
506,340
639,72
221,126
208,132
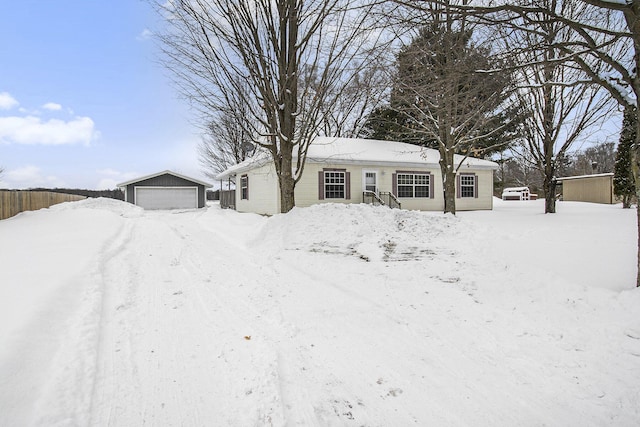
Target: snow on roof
260,158
365,151
124,184
567,178
515,189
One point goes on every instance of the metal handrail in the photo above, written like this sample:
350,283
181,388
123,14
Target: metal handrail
373,196
379,199
395,200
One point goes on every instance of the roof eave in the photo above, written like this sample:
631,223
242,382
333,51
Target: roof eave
388,163
597,175
235,171
133,181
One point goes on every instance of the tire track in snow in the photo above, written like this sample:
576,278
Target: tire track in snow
226,287
67,397
185,329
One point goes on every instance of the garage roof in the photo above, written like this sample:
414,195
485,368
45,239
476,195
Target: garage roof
133,181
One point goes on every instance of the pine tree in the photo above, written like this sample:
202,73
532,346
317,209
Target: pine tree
439,67
623,181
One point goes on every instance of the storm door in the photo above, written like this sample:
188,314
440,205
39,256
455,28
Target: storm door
371,181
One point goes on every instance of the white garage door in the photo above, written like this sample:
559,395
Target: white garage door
167,197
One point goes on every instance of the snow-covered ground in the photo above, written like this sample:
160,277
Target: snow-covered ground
327,316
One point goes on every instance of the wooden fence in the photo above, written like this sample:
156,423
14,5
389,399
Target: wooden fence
14,202
228,199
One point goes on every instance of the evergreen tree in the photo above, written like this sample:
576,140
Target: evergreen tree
443,98
623,181
440,66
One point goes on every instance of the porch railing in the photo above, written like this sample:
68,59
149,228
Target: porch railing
382,198
391,199
372,198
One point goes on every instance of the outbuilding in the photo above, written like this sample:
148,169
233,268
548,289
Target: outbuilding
165,190
596,188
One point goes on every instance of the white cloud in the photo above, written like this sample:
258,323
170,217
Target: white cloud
113,178
29,177
52,106
109,172
107,184
33,130
7,101
146,34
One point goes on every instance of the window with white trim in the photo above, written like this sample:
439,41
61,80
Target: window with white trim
413,185
467,186
244,187
334,184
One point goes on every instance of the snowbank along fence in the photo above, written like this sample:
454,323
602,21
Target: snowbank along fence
14,202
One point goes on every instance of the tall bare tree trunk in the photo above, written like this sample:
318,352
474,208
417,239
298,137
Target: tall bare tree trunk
635,166
638,222
548,116
286,184
632,16
448,179
549,187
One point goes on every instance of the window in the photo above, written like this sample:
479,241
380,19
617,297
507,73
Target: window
467,186
244,187
413,185
334,185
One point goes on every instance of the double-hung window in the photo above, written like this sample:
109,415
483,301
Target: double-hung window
244,187
467,185
413,185
334,184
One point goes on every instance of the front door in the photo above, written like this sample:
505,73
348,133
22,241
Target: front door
370,181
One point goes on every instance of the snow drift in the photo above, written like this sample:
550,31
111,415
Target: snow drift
331,315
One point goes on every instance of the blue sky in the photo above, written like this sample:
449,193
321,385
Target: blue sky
84,102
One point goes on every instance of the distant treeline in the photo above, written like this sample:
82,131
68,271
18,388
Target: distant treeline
112,194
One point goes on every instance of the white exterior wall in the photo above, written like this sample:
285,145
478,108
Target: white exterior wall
484,200
421,204
264,196
307,187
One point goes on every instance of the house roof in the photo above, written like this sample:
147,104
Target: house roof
133,181
365,152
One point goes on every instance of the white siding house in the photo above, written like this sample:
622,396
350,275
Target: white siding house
347,170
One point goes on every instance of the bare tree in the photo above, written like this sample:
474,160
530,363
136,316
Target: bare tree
599,158
256,53
605,46
223,145
564,106
442,97
226,138
364,93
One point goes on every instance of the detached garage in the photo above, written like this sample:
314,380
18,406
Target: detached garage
165,190
596,188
